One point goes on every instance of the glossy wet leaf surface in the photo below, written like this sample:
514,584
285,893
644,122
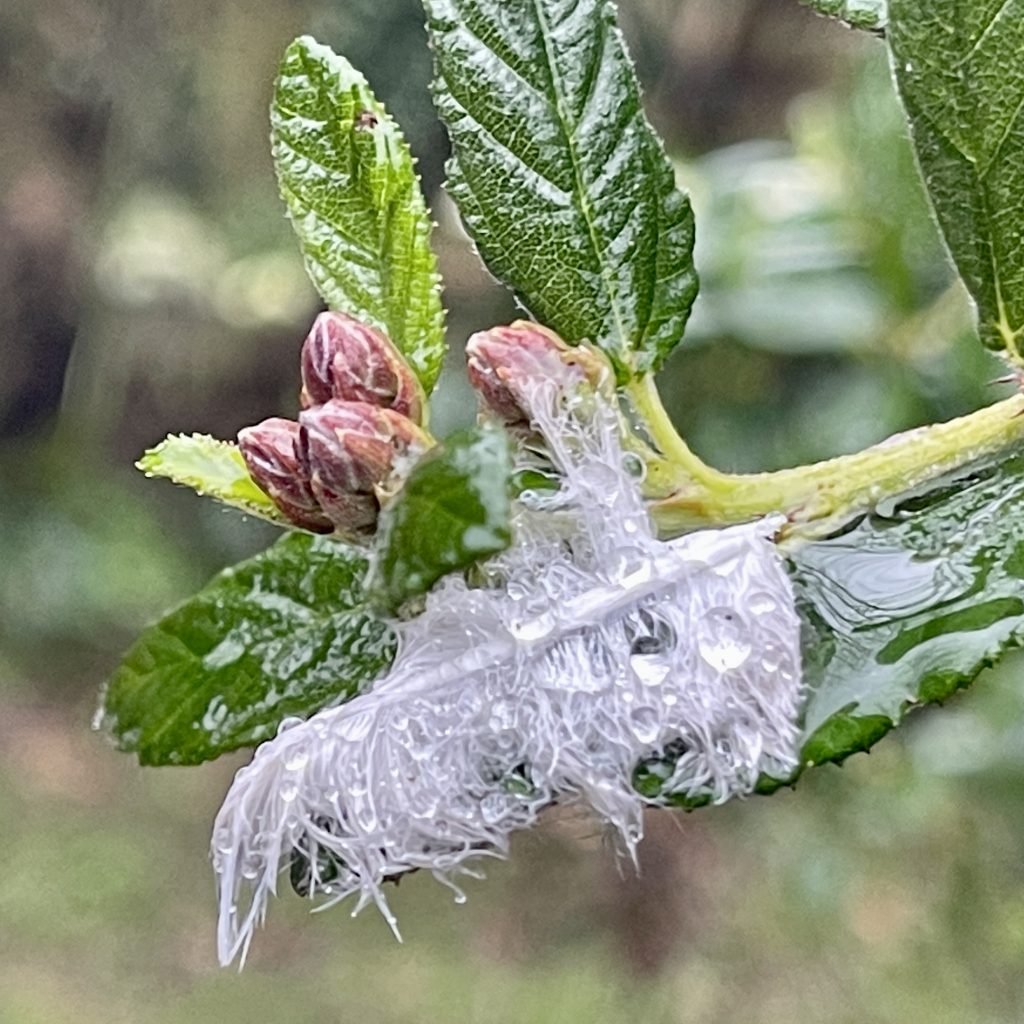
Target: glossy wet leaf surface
347,177
214,468
284,633
960,70
559,178
867,14
452,511
910,604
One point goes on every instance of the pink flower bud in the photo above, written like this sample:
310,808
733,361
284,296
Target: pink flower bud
348,450
503,361
348,360
270,450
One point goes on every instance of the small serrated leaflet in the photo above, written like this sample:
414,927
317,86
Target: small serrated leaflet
350,185
213,468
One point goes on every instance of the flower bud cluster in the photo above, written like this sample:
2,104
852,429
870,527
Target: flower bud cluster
362,408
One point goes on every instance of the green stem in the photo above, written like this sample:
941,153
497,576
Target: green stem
819,497
646,402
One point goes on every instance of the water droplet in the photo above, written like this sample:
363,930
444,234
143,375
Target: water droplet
634,466
645,723
288,792
762,603
652,634
650,669
629,566
771,657
288,723
296,761
728,563
721,641
533,629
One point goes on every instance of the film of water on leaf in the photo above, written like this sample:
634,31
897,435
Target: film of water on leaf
591,646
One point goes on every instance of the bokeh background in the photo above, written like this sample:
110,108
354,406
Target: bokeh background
149,283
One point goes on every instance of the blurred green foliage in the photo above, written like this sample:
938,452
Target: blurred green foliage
143,250
829,317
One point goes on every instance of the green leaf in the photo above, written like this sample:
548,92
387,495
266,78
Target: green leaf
349,182
211,467
867,14
960,71
560,179
452,511
284,633
910,604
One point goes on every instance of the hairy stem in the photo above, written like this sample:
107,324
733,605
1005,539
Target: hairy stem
646,402
819,497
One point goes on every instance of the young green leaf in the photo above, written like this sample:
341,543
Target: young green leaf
560,179
211,467
961,76
452,511
284,633
872,15
349,182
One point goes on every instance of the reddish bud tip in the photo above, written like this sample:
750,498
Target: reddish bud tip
503,361
348,450
270,450
350,361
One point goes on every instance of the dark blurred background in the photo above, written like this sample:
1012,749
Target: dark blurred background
149,283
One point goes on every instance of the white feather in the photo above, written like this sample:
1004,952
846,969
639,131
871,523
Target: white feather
594,647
